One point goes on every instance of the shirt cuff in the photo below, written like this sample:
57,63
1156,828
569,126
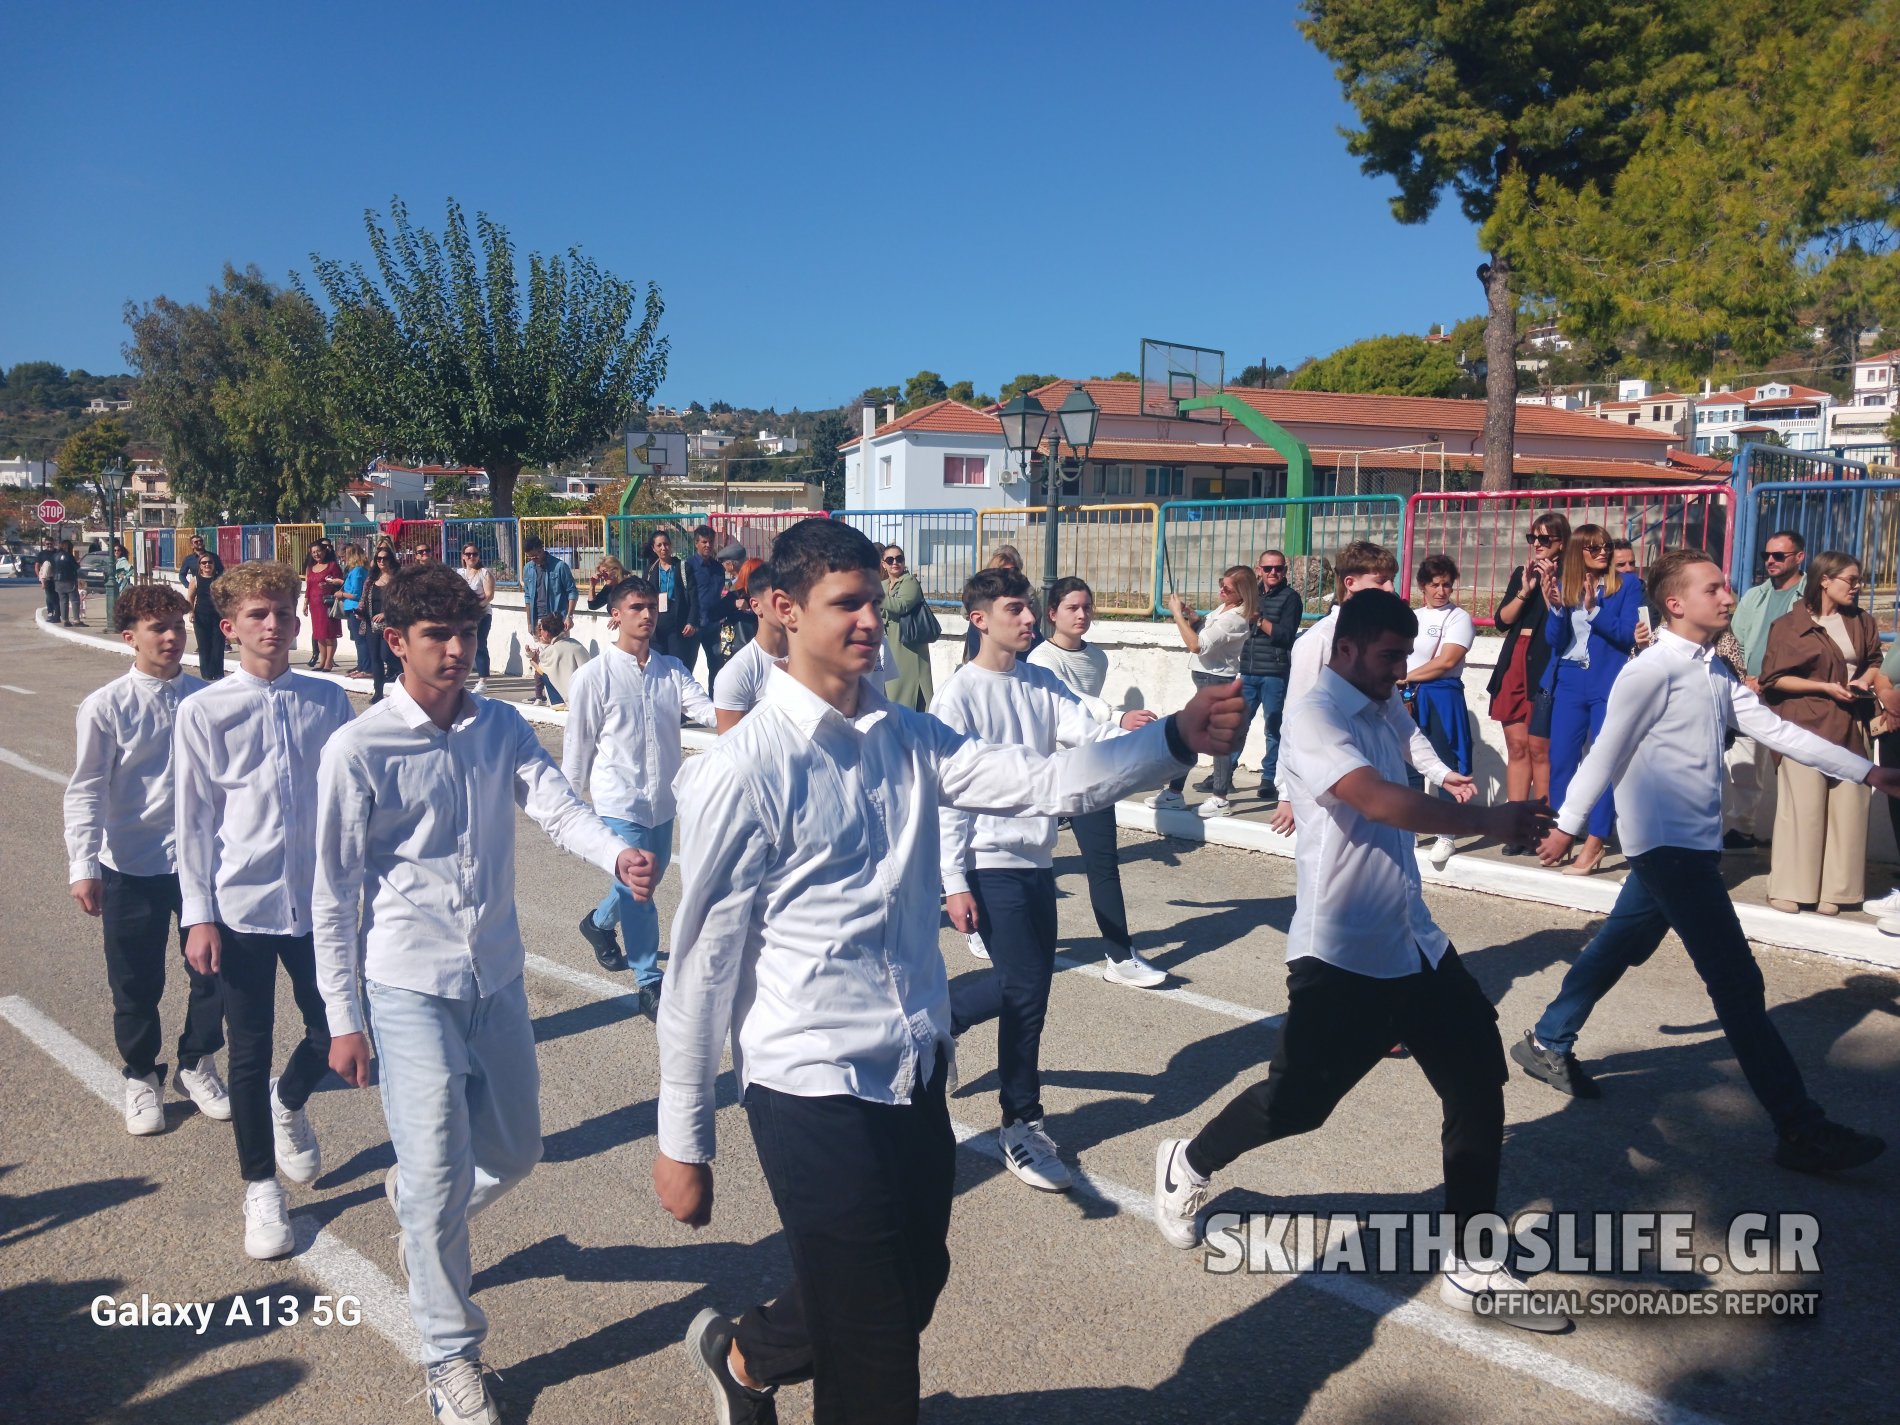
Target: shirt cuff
345,1018
955,883
197,910
686,1126
1177,744
1573,823
83,870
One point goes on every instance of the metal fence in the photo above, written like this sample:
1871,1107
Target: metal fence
228,540
361,533
1483,531
581,540
498,539
630,537
414,539
1117,548
294,541
939,545
1757,465
1857,517
757,529
257,541
1201,539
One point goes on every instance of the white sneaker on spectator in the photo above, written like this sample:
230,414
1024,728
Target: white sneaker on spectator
1179,1194
977,947
1165,800
481,685
459,1396
1442,850
1216,806
266,1221
1461,1287
295,1141
1133,971
1030,1154
204,1088
1888,904
144,1107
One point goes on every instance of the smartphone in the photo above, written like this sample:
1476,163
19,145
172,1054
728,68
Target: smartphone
1642,618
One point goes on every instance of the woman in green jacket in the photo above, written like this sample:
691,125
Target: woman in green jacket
910,682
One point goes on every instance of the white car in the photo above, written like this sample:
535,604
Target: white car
10,565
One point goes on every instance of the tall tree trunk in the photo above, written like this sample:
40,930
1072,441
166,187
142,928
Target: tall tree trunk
501,488
1500,381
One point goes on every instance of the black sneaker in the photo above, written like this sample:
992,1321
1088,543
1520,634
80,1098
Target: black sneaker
1740,841
1827,1147
708,1344
606,944
1206,784
649,999
1561,1071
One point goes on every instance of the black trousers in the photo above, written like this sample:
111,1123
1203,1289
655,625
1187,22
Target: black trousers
1887,749
137,914
668,639
1101,860
210,643
1016,916
709,643
1338,1026
52,601
863,1192
248,968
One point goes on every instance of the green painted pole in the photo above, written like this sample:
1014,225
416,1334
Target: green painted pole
1299,461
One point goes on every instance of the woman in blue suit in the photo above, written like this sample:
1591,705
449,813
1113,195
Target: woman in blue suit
1591,628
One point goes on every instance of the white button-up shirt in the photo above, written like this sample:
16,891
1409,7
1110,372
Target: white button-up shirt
246,776
1663,732
416,850
119,800
1360,905
807,925
623,732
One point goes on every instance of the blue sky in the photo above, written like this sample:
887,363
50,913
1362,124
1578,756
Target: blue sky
830,196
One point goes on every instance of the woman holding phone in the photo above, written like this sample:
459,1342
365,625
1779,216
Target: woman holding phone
1518,700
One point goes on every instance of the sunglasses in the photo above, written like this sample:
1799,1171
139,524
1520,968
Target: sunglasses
1540,539
471,554
1776,556
1273,568
1596,549
894,559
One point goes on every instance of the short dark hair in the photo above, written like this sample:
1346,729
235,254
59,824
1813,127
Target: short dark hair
807,551
1667,575
1066,586
1435,566
1793,536
529,544
430,593
633,586
986,586
1372,612
148,601
1363,557
706,532
761,579
552,624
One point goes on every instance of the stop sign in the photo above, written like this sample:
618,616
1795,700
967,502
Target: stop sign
50,511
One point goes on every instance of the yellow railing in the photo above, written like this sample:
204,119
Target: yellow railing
1114,547
579,539
294,541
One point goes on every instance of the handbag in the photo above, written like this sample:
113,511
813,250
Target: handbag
919,626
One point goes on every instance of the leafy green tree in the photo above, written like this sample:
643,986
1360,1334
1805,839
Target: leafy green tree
882,395
1388,366
437,358
1259,374
1503,105
824,464
1028,381
98,446
924,388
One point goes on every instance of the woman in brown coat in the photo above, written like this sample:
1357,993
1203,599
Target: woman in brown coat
1818,672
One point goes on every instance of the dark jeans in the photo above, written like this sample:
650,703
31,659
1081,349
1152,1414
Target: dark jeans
863,1192
1338,1026
1267,692
1888,750
668,639
1670,888
248,968
482,631
1101,859
1223,782
709,643
52,601
137,915
383,665
358,639
1016,916
210,644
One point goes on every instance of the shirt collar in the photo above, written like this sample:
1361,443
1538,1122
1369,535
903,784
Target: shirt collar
146,682
808,712
1701,652
412,714
280,683
1345,696
614,650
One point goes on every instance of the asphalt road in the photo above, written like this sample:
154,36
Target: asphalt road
1058,1309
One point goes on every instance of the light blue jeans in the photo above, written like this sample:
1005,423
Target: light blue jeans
461,1094
639,920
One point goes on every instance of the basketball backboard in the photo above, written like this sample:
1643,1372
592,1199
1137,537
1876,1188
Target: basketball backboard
656,452
1172,373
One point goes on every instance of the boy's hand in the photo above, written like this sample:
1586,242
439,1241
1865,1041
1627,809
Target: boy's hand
962,908
1137,717
685,1189
634,870
1555,846
349,1056
203,950
1520,823
1459,787
1282,818
1885,779
1211,721
90,894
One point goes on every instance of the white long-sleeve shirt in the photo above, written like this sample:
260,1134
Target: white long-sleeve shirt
1312,653
1026,707
246,755
807,926
1360,905
119,798
623,732
1663,734
416,850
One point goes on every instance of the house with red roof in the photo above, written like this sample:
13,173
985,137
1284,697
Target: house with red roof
1862,419
1726,420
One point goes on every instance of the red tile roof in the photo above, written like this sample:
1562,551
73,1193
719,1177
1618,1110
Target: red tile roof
1164,452
1751,396
952,416
1639,401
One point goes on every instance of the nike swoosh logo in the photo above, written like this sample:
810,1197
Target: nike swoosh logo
1167,1173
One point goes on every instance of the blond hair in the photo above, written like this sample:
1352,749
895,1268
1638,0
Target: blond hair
1577,574
258,579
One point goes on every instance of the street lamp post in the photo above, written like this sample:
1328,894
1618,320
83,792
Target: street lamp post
1025,421
111,485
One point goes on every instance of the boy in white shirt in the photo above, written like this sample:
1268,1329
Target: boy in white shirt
1668,714
1434,686
623,743
998,879
741,682
806,938
120,831
247,748
417,936
1067,653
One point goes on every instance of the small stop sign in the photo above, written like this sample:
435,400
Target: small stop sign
50,512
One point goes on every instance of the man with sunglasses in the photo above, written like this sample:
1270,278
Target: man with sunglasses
1750,765
1265,660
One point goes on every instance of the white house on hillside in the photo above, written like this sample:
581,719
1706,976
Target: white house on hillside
1726,420
1863,420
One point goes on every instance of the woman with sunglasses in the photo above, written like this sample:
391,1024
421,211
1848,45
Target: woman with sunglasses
480,578
1591,629
1819,672
910,681
1517,699
371,614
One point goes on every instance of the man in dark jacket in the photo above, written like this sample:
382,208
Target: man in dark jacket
1265,659
707,579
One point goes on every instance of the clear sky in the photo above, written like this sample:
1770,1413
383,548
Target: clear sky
830,195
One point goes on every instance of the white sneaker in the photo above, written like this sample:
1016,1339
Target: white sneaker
144,1107
459,1396
1216,806
1030,1154
267,1221
402,1245
1134,971
977,947
1461,1287
1165,800
296,1141
481,685
1442,850
1179,1195
204,1088
1887,905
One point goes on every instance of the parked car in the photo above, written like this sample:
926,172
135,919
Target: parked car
96,568
11,566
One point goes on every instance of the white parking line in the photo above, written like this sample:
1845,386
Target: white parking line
1246,1013
23,692
14,759
341,1269
1494,1343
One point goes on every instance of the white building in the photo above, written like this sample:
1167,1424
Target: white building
1637,404
771,444
1864,417
942,456
102,406
19,473
713,497
708,442
1726,420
